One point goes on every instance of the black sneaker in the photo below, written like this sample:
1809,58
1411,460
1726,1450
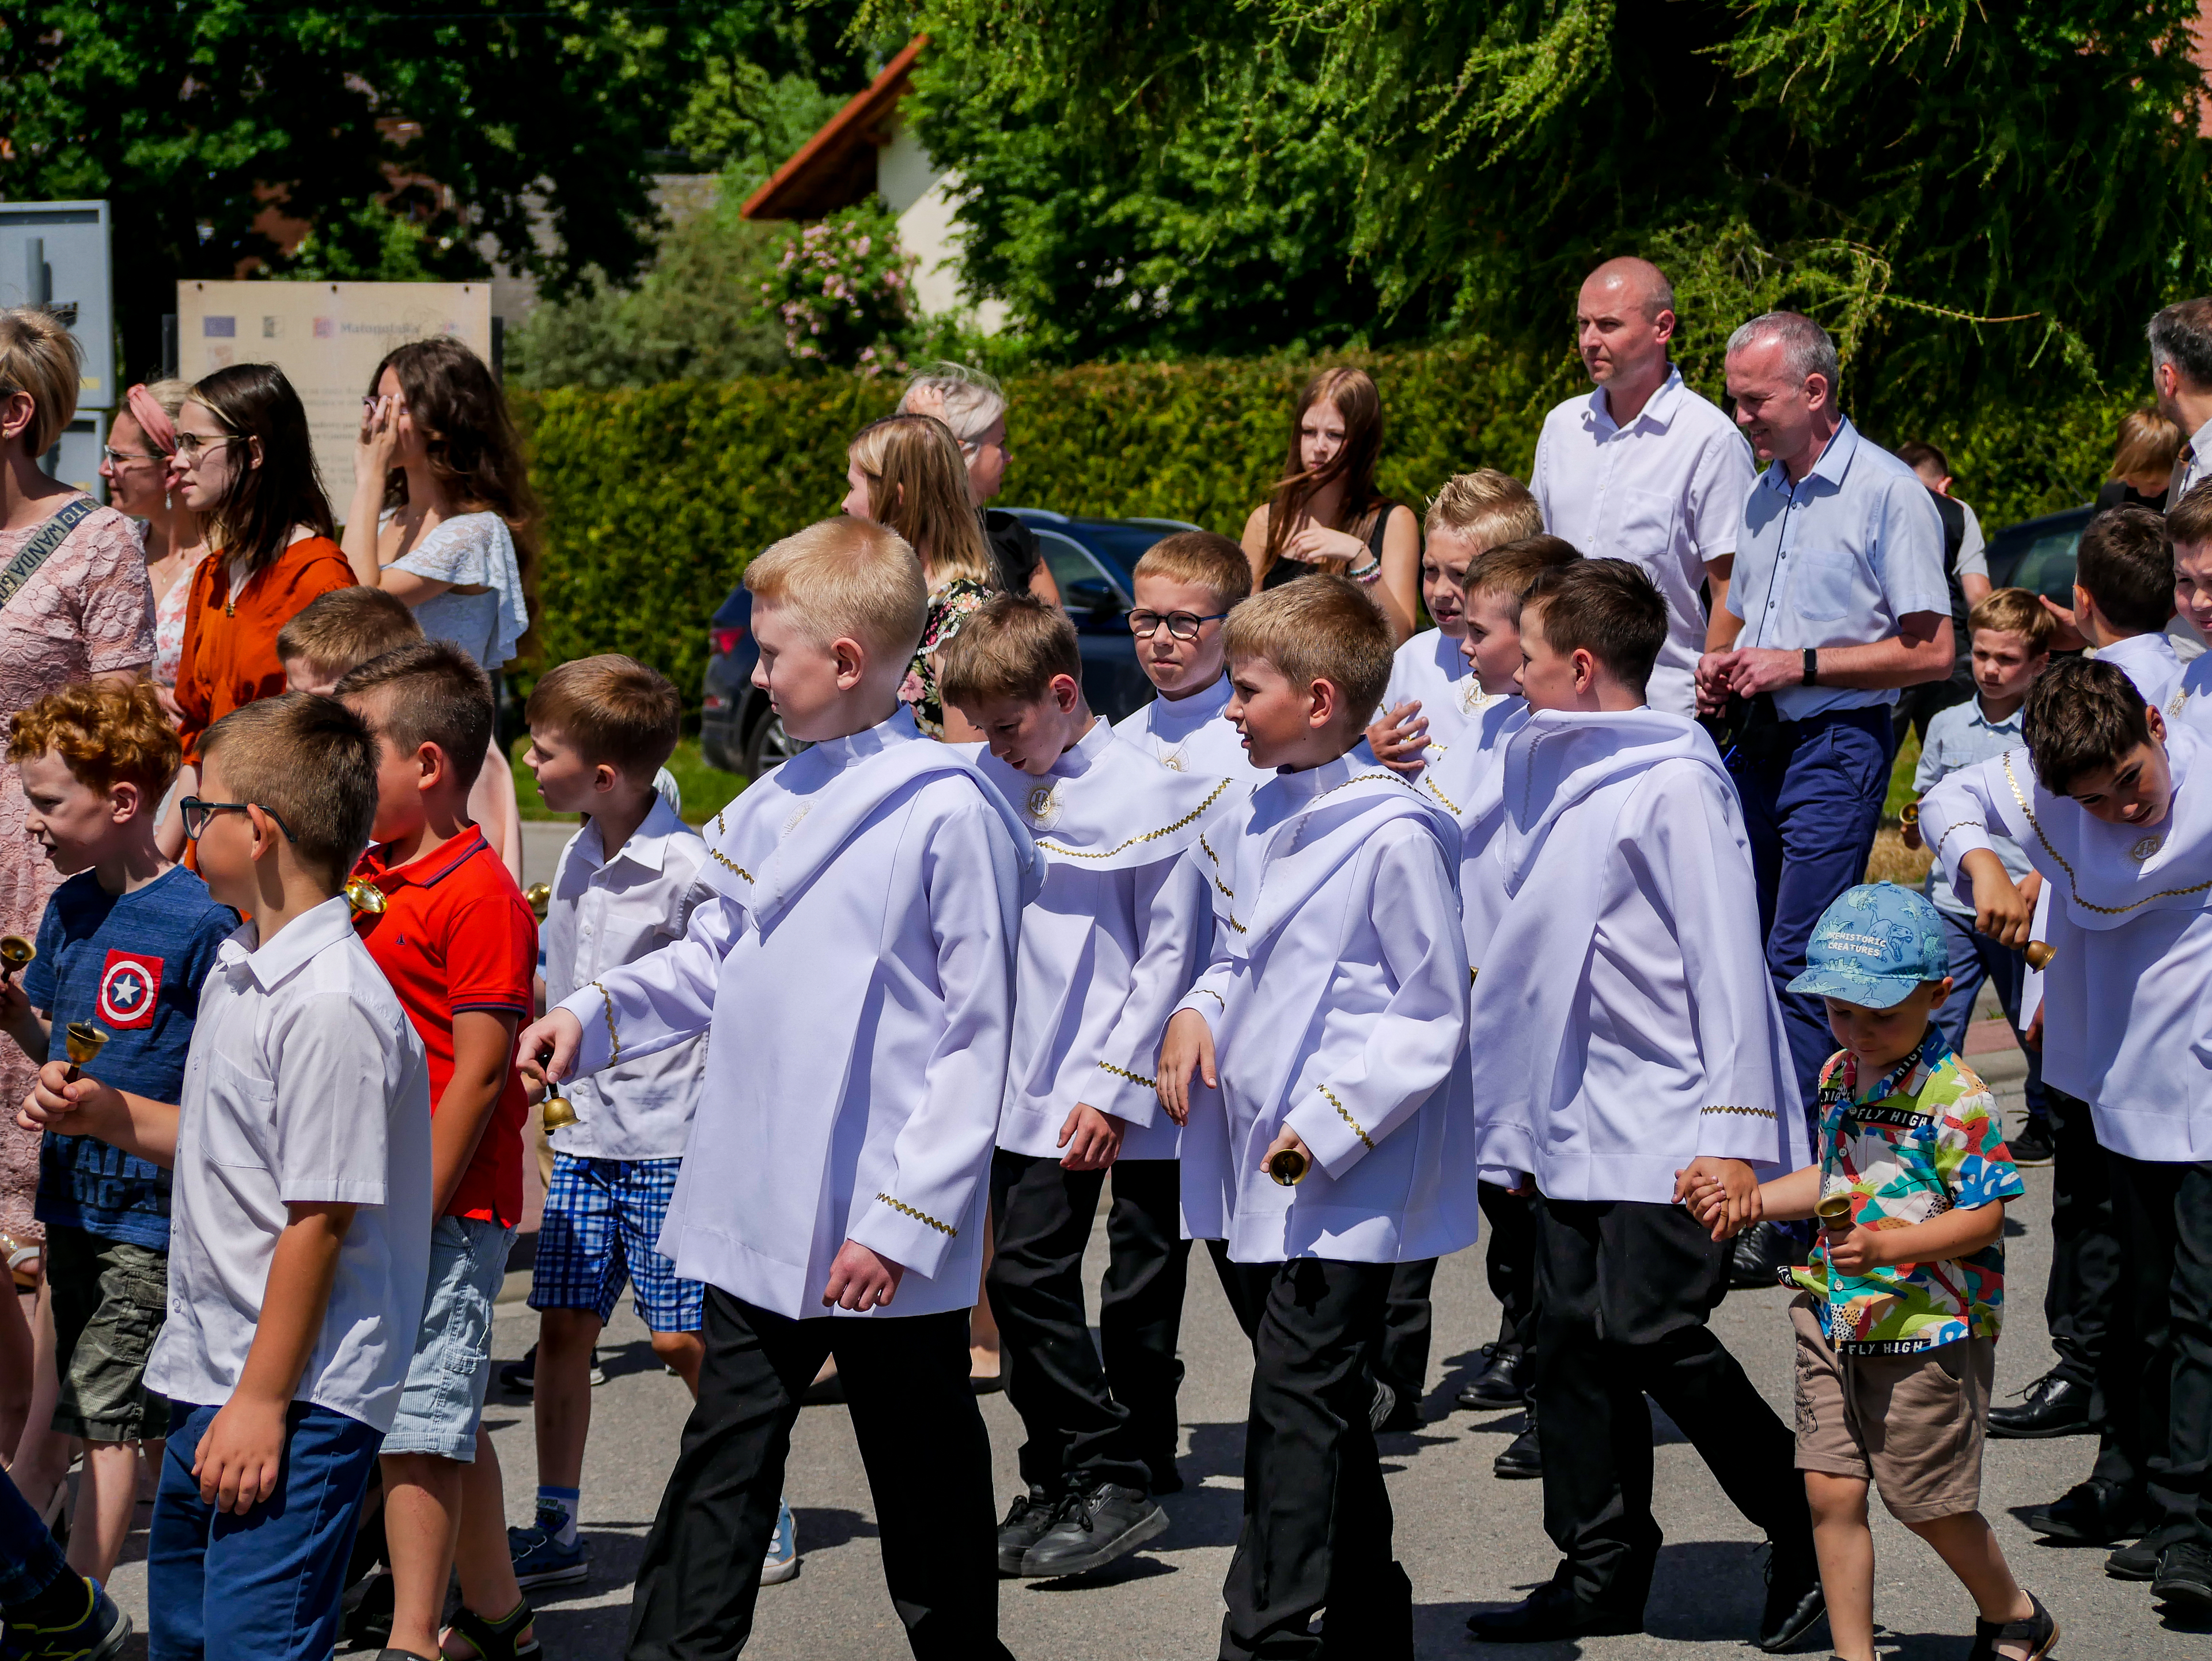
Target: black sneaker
2185,1575
2032,1146
97,1633
1503,1381
2136,1562
1027,1520
2091,1514
1092,1527
1522,1460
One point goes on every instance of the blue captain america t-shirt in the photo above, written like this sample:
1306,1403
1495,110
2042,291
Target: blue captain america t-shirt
132,965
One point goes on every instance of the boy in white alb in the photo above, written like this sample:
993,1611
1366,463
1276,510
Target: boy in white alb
2124,598
300,1231
1108,947
1469,779
2114,809
1435,697
1186,586
1333,1139
2189,528
627,882
1627,1030
856,970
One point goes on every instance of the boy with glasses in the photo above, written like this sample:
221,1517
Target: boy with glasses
1186,586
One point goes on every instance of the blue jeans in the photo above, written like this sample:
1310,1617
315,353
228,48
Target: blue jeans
30,1560
267,1584
1976,957
1812,798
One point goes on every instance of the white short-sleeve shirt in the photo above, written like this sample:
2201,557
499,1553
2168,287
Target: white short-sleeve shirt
1667,492
304,1083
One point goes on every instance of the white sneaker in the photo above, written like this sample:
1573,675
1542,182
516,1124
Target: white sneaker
781,1563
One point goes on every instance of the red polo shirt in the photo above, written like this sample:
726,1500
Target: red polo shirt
456,934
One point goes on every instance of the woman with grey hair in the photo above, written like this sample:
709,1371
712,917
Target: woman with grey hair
973,405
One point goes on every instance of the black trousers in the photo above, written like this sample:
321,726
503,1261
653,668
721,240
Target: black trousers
1402,1362
2157,1371
929,1467
1625,1290
1089,1421
2085,1245
1509,1262
1317,1521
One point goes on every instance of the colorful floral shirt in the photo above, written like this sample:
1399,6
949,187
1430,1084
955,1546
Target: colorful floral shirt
948,607
1924,1139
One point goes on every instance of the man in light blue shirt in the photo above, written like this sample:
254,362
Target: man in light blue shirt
1839,599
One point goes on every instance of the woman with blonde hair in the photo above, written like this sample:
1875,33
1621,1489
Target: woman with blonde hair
443,519
905,473
2142,462
1325,513
973,405
140,454
75,604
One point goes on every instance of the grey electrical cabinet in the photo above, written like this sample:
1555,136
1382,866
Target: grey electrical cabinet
55,254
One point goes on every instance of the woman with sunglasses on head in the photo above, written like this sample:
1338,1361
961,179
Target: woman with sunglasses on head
141,448
75,605
244,463
443,519
973,406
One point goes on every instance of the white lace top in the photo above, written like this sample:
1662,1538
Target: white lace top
471,550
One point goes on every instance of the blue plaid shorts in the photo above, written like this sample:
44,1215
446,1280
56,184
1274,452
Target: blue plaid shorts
602,1219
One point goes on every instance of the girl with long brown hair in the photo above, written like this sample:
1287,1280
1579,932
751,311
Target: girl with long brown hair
1326,515
443,519
905,472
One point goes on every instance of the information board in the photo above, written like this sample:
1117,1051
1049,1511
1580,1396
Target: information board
327,338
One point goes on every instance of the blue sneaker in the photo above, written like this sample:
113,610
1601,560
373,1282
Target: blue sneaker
540,1559
98,1634
781,1563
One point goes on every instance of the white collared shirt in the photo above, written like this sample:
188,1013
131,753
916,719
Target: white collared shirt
2193,468
1667,492
605,913
1191,734
305,1083
1835,559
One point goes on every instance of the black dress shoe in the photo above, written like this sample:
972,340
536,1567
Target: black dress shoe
1522,1460
2185,1575
2136,1562
2053,1406
1763,1252
1091,1528
1549,1613
1794,1602
1503,1381
1405,1415
2032,1146
2091,1513
1027,1520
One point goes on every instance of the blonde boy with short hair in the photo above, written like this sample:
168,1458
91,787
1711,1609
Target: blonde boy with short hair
1332,1137
338,632
859,957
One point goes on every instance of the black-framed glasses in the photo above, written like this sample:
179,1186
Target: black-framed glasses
197,814
190,445
1183,625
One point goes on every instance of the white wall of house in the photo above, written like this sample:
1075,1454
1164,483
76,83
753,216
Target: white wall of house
920,194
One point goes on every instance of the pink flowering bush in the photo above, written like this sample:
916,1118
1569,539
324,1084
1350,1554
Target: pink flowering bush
842,289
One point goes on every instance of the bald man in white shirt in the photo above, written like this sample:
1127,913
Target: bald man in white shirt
1645,470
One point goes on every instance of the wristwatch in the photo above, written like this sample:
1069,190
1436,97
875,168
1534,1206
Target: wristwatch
1812,665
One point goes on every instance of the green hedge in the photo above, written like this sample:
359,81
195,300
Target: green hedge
655,497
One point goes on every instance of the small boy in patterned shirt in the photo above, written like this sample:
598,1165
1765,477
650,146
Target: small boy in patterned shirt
1896,1313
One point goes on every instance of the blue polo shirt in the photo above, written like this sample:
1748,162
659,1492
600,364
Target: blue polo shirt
1835,559
132,965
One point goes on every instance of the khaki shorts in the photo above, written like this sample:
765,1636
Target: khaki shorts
1911,1424
109,1297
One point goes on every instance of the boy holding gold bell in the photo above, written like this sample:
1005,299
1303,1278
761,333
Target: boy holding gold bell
1332,1137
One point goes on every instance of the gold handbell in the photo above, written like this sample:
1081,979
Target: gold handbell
1287,1166
366,898
83,1040
1834,1211
558,1113
540,896
14,952
2039,954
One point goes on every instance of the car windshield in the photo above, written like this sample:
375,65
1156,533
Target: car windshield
2039,556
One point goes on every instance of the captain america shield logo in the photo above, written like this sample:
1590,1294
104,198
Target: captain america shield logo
128,986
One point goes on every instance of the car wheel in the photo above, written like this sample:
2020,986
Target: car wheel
768,746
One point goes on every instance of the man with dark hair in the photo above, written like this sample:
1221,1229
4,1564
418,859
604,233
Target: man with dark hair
1965,568
2181,381
1838,600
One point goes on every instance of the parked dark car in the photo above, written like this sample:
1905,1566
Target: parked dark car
1091,560
2038,554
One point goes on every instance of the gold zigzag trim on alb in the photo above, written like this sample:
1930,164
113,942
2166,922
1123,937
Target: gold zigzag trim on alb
1431,784
1346,1118
1124,1073
716,853
1149,836
1739,1112
904,1209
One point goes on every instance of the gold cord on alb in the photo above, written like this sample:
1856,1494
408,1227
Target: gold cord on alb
2074,883
1149,836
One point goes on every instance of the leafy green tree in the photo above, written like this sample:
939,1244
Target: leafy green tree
191,119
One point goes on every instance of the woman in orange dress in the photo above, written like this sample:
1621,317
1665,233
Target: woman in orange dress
244,465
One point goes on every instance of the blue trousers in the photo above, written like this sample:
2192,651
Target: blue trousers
30,1560
1975,958
267,1584
1812,798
